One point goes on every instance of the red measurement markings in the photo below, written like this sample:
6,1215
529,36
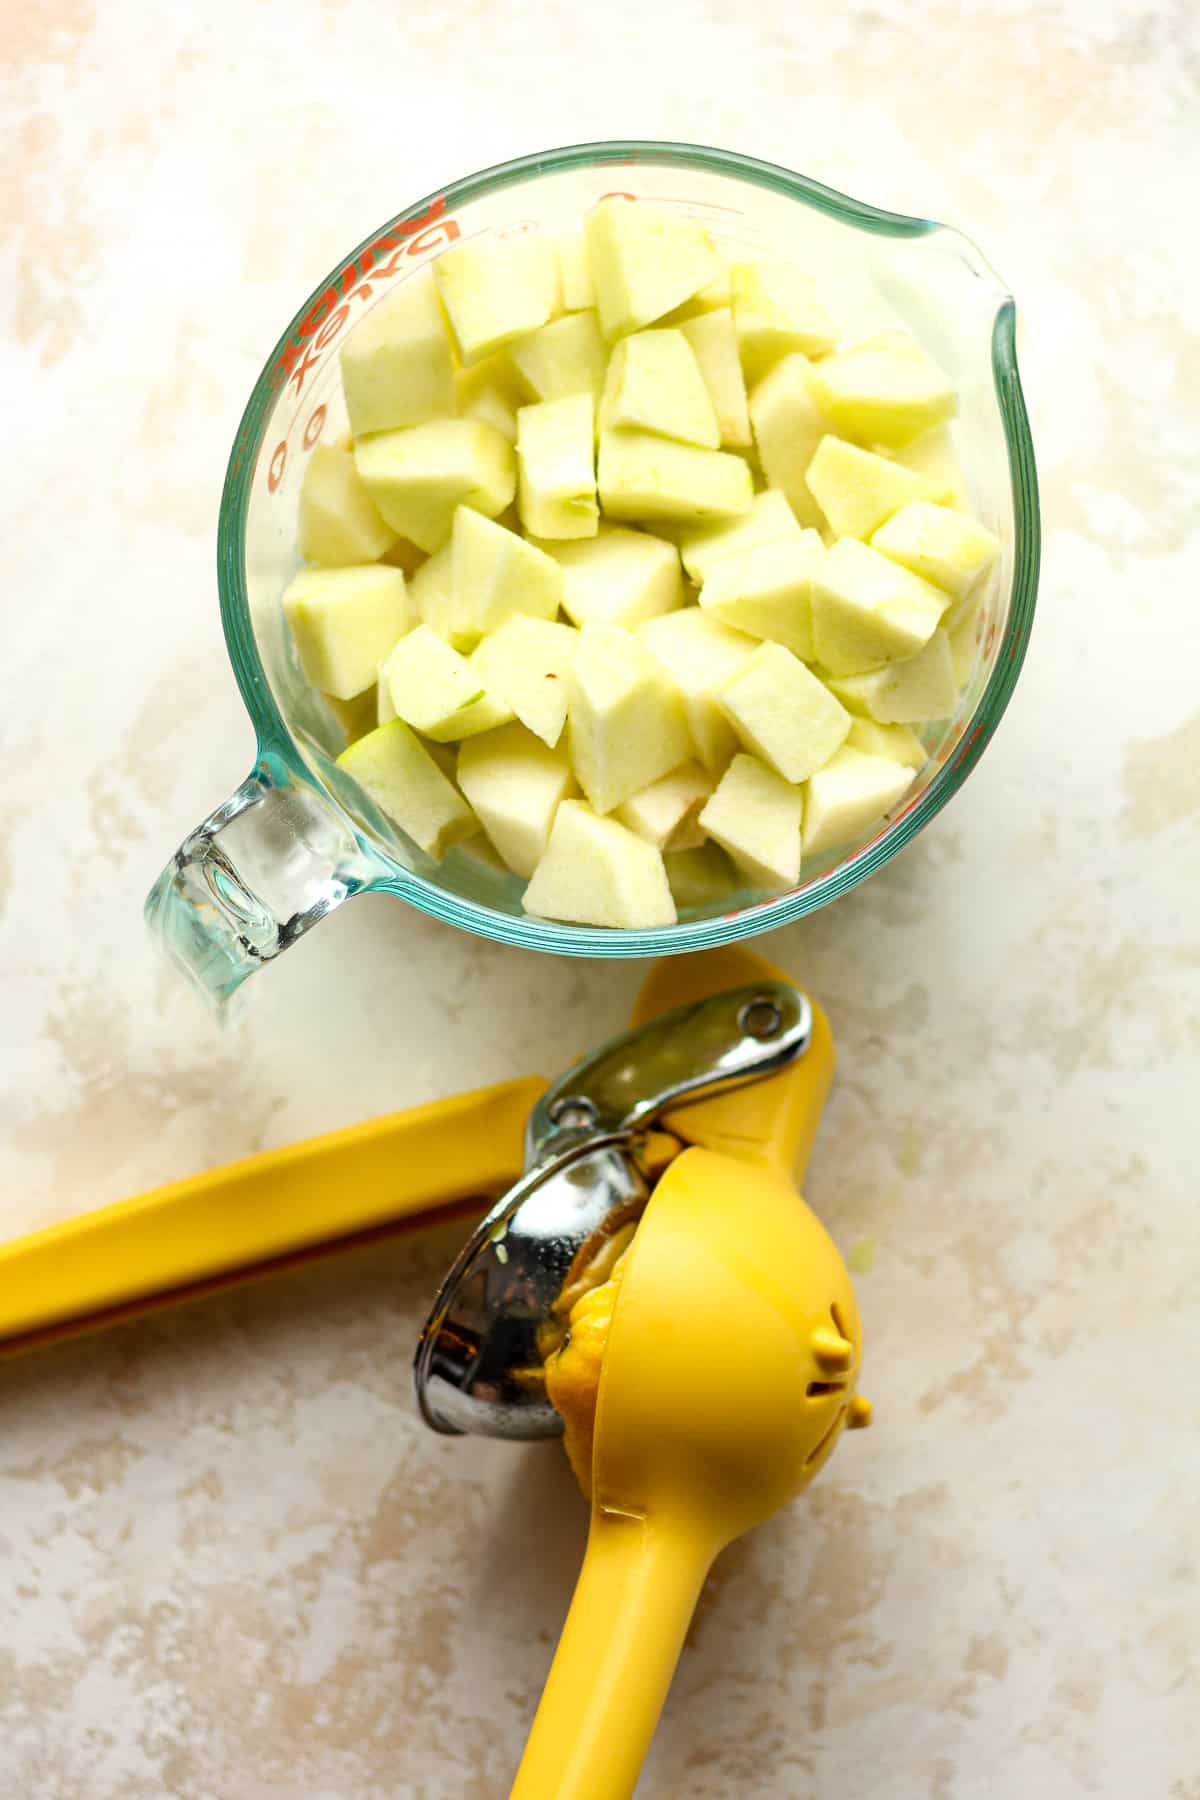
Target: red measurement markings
357,279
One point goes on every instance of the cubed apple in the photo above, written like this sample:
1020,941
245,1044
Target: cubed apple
857,491
568,356
494,574
934,456
396,365
783,713
418,477
644,261
357,716
920,688
949,548
715,347
496,289
777,309
788,425
490,392
384,711
514,784
699,655
885,391
344,622
626,718
574,274
770,520
403,555
705,300
897,742
665,812
654,384
755,815
396,770
437,692
432,593
849,795
339,522
961,624
619,577
703,876
868,610
767,592
645,477
598,872
556,456
525,664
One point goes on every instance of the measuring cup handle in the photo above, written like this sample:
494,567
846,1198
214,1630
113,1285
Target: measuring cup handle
255,876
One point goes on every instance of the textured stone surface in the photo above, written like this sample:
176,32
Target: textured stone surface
232,1566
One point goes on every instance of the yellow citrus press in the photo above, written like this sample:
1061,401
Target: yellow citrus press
652,1189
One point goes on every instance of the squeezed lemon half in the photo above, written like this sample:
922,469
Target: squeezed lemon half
573,1366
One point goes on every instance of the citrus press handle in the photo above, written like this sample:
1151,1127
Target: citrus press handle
722,1041
262,1214
632,1606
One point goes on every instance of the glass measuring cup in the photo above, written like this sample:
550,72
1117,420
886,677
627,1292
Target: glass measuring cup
299,837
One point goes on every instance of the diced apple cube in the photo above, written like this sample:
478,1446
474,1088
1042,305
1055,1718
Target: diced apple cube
962,627
494,574
514,784
384,711
556,456
770,520
755,815
783,714
645,477
894,741
496,289
525,664
432,592
934,456
627,723
418,477
644,261
568,356
490,393
857,490
868,610
776,310
355,717
344,622
339,521
396,366
437,692
702,876
846,797
654,384
788,425
402,779
699,655
708,299
885,391
715,347
598,872
619,577
767,592
665,812
403,555
922,687
574,274
948,548
478,852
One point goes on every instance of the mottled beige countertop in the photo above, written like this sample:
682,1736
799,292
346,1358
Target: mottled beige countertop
232,1564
